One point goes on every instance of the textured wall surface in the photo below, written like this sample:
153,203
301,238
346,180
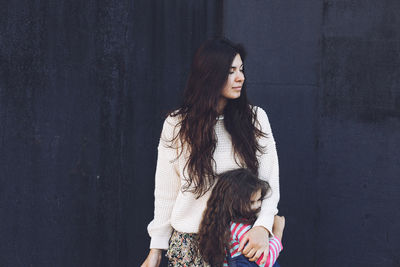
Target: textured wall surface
84,86
328,75
358,151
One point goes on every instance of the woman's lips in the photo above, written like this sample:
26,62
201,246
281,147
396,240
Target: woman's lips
237,88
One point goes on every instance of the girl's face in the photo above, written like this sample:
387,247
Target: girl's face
235,79
256,200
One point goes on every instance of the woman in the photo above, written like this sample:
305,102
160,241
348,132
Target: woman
214,130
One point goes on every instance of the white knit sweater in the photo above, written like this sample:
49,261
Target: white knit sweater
181,210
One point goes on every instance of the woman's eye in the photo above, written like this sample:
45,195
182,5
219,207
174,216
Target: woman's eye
232,72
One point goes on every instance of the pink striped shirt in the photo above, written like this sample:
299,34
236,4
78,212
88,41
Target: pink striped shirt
237,232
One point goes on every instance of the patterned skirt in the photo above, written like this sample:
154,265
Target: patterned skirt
183,252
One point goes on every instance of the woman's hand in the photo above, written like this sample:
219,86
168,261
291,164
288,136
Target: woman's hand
257,239
153,259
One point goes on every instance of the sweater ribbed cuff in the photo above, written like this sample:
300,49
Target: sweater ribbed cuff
160,242
267,222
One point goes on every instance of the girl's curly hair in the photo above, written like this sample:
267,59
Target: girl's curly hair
229,201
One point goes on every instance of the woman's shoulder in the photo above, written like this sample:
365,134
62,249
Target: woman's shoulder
171,125
262,120
258,111
173,117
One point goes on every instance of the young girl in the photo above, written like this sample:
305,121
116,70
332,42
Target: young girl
231,210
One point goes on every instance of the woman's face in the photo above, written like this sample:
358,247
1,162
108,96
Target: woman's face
256,200
235,79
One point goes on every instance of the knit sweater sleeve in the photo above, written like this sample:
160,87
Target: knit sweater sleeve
268,171
167,184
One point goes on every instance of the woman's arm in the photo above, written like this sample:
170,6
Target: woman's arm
268,171
167,184
257,237
153,259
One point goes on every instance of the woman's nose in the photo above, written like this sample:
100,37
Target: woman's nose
240,76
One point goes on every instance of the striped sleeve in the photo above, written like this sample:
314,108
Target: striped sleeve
237,233
275,247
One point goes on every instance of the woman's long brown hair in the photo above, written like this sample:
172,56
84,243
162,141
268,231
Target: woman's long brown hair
198,116
229,201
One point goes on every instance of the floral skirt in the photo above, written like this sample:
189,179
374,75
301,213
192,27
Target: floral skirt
183,252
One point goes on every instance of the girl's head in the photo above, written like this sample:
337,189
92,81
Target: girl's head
239,194
216,85
236,197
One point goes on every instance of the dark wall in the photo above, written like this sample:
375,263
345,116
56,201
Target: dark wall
84,86
359,135
328,75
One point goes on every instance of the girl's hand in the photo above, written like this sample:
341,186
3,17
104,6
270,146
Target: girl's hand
153,259
257,239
